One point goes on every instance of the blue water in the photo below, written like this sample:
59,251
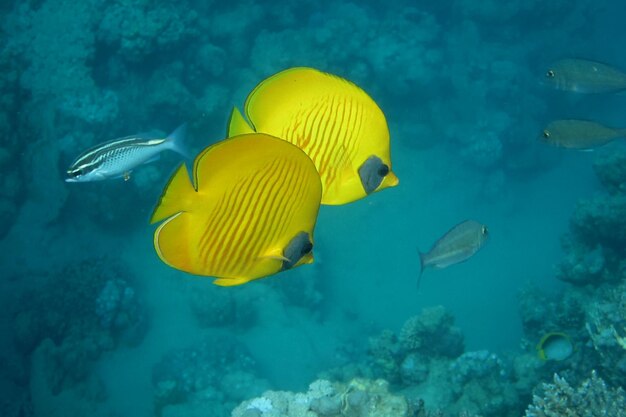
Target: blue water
93,323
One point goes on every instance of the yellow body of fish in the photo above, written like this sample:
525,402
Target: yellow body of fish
579,134
584,76
251,196
336,123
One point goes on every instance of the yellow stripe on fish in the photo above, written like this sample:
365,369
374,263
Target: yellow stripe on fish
335,122
249,213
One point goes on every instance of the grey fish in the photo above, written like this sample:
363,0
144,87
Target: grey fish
118,157
583,76
457,245
579,134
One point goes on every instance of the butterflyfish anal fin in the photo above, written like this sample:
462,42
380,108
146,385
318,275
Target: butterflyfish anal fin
176,197
174,252
230,282
237,125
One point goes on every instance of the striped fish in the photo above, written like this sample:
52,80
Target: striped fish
457,245
249,212
335,122
117,158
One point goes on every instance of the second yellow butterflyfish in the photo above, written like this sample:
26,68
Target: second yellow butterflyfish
249,212
334,121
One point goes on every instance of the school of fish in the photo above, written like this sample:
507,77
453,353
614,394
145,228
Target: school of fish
308,138
586,77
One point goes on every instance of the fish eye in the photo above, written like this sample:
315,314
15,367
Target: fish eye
383,170
306,248
546,134
550,73
484,230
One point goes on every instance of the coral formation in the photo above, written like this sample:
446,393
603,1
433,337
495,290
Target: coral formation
595,245
593,398
216,374
86,309
359,397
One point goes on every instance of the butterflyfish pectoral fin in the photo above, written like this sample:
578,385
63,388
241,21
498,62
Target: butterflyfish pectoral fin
237,125
276,254
177,196
230,282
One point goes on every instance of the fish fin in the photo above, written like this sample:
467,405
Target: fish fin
153,159
237,125
176,195
276,254
230,282
177,139
419,277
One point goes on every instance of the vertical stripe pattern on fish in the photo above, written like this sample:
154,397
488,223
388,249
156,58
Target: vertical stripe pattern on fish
335,122
249,213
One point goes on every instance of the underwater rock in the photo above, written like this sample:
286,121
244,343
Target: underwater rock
357,398
582,266
414,369
385,356
86,398
432,333
593,398
214,307
86,300
217,373
601,221
610,168
138,29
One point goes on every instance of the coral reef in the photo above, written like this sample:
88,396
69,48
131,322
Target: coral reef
595,247
593,398
359,397
606,328
85,309
432,333
216,374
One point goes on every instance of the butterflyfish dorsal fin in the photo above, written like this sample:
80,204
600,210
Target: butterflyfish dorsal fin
237,125
177,195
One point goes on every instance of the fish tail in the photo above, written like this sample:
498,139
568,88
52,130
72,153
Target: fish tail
237,125
177,141
176,196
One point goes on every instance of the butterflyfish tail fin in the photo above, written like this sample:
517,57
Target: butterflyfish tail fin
237,125
176,196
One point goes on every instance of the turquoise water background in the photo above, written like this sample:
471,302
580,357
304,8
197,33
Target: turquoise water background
462,86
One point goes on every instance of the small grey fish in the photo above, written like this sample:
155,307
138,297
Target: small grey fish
583,76
457,245
579,134
118,157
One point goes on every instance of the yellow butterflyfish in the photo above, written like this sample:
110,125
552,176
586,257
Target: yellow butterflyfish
334,121
249,211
